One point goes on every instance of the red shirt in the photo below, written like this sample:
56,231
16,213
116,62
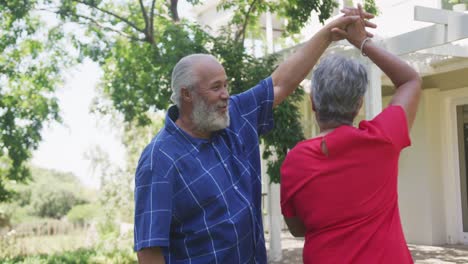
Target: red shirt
348,200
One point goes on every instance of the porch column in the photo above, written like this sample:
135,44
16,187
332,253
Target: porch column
373,97
274,210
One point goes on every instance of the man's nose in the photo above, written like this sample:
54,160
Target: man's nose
225,94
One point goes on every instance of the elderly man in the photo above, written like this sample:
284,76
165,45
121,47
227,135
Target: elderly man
198,187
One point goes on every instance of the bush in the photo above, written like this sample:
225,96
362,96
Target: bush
83,213
54,203
4,218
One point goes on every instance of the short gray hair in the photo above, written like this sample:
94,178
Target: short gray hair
183,74
338,84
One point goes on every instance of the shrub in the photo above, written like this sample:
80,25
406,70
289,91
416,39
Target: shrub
83,213
54,203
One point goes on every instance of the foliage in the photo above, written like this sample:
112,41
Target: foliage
41,199
296,12
116,191
83,212
138,45
458,2
31,61
299,12
15,244
137,75
371,7
4,218
54,203
80,256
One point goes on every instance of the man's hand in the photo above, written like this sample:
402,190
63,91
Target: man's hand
151,255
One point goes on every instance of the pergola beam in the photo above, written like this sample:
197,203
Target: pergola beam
413,41
432,15
449,26
457,27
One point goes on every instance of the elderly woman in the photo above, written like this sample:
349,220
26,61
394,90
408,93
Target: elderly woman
339,189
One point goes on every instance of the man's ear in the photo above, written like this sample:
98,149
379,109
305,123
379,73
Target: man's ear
186,95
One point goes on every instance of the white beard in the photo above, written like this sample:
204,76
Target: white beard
206,117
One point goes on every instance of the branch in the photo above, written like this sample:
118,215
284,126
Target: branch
148,28
241,32
152,17
128,22
174,12
95,23
109,28
145,15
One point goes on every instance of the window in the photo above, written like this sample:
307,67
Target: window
462,127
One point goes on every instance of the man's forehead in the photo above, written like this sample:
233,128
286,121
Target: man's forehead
208,62
210,69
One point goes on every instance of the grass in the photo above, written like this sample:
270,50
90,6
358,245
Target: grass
77,247
80,256
43,244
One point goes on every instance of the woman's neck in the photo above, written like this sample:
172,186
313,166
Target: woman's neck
327,128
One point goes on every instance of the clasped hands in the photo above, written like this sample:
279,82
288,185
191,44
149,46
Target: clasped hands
352,26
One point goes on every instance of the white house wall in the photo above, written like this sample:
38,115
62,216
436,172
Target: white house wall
428,194
414,182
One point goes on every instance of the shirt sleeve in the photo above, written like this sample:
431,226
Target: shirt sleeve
393,124
153,203
256,105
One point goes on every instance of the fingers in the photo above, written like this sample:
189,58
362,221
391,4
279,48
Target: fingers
361,12
350,19
349,11
369,24
355,11
370,35
340,32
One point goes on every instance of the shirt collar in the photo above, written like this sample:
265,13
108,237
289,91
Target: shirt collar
171,127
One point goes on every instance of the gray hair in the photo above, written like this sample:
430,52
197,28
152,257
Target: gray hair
183,74
338,84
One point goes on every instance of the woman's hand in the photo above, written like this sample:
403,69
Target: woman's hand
355,33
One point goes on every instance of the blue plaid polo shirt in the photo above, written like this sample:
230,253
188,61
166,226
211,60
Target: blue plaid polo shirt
200,199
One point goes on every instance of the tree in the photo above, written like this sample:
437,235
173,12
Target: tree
371,7
138,43
40,198
83,213
116,180
54,203
31,60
